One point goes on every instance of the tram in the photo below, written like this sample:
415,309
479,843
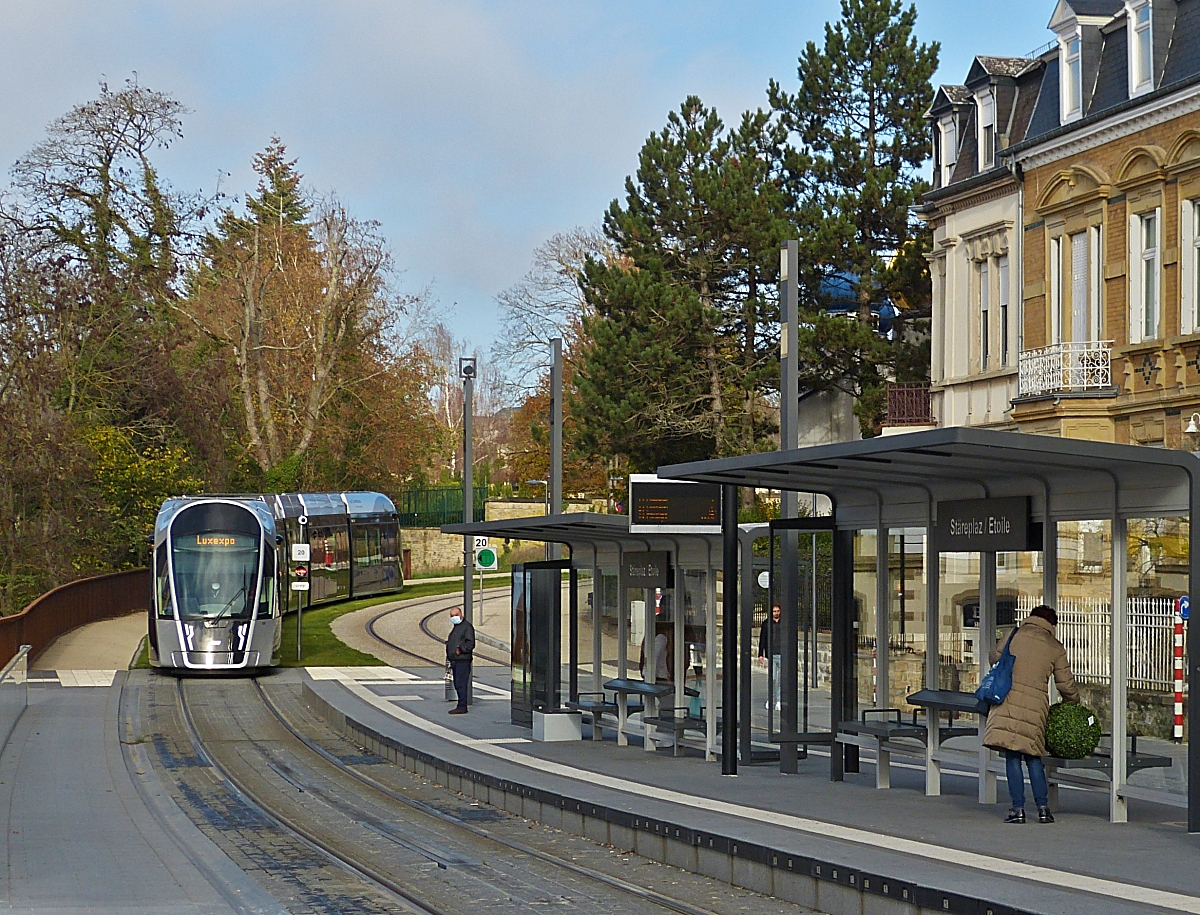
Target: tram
227,569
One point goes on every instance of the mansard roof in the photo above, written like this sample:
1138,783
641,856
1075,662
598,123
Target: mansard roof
1110,90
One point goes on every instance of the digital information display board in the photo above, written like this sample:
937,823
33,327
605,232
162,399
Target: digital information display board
670,507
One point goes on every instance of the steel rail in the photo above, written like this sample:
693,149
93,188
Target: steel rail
363,871
642,893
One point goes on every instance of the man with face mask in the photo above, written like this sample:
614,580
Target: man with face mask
459,647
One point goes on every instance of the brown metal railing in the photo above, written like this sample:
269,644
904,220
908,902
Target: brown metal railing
74,604
908,405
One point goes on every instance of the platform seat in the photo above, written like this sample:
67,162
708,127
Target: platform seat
875,730
595,706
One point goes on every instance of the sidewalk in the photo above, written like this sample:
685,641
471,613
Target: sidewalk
85,823
815,840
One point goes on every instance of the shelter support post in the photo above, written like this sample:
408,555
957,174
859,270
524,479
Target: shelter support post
729,543
843,698
789,602
745,731
1050,562
650,705
679,613
987,639
622,648
1193,657
598,597
933,768
573,634
883,611
1118,809
710,660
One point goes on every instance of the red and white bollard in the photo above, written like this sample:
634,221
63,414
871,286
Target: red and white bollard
1178,673
875,677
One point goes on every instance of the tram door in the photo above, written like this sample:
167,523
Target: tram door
536,678
797,657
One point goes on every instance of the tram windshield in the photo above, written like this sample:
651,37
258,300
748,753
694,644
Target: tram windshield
216,574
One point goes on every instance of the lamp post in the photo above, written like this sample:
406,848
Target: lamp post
467,370
546,485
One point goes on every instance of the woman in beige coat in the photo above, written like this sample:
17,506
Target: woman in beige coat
1018,724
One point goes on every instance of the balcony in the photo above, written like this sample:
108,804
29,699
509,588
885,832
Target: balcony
1065,368
908,405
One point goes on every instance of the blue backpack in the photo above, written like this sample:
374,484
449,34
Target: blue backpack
998,681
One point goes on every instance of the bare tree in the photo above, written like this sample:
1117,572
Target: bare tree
545,304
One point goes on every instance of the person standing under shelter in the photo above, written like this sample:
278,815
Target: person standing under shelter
1018,724
460,646
770,644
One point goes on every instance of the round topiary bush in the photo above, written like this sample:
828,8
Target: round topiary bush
1072,730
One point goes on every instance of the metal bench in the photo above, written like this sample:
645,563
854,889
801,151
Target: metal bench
596,706
1100,762
953,703
624,687
875,730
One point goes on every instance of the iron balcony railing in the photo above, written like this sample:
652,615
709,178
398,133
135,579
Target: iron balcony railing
908,405
1065,368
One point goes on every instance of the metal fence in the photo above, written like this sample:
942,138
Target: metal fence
438,505
1085,629
74,604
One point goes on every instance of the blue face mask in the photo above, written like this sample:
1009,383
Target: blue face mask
456,620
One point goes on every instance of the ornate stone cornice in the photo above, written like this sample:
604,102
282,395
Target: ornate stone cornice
1117,127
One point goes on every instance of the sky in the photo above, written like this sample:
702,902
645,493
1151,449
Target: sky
471,131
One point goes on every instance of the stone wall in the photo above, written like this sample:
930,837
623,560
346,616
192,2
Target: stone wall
431,551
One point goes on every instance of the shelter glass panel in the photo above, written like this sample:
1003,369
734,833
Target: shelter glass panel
1156,685
865,615
958,626
585,601
906,615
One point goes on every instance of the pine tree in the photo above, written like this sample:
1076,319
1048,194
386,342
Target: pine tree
857,119
682,330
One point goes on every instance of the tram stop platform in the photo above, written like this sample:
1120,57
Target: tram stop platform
838,847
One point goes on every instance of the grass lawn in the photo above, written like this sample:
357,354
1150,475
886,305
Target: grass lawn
321,648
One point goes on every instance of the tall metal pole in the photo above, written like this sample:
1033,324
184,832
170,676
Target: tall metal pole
554,490
789,437
467,371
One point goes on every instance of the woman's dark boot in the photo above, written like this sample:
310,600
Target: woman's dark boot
1016,816
1044,815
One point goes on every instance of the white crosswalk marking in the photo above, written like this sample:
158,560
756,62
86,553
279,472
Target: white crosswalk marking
86,677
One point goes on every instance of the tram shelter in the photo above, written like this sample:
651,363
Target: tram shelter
615,617
917,482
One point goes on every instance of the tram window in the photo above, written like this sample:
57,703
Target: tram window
266,598
164,582
216,574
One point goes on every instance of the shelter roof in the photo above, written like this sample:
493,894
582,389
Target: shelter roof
606,534
903,476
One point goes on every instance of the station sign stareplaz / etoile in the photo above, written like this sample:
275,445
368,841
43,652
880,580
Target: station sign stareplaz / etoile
983,526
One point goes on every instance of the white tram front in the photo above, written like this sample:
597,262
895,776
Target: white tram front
225,571
216,591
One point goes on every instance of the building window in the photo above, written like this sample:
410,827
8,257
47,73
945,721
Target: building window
1096,284
1189,299
1145,279
984,322
1056,291
985,105
1002,278
949,149
1080,304
1072,79
1141,65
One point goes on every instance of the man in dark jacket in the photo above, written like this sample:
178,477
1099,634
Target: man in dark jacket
459,648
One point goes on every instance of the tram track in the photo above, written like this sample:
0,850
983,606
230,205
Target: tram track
403,837
424,626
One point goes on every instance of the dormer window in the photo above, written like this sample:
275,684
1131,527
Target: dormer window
985,105
949,148
1141,48
1072,79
